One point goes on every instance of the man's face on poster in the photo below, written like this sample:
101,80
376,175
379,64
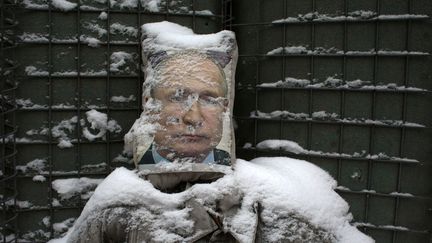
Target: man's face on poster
192,98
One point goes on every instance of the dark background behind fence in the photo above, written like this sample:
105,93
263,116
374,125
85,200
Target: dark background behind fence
390,197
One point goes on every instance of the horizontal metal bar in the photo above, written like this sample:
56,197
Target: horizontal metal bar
47,208
74,76
83,9
328,22
328,122
378,194
76,42
391,161
40,142
345,54
389,228
59,175
345,89
83,108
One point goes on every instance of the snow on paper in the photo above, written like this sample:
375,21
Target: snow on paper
196,69
281,185
68,188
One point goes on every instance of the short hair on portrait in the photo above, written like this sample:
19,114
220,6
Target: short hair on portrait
158,70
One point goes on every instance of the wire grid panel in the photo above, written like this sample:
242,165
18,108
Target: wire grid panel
349,81
8,190
74,59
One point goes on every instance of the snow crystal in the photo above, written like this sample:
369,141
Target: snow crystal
117,28
68,188
99,121
281,185
39,178
118,60
122,99
63,5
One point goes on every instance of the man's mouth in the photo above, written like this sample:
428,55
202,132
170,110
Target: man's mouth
191,137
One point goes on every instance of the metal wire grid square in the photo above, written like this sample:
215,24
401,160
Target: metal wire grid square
77,76
373,186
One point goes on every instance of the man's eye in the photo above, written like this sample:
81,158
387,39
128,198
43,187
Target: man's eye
209,100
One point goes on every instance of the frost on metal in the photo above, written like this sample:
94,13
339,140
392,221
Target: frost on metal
187,96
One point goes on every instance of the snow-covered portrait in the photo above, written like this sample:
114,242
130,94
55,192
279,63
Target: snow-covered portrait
187,97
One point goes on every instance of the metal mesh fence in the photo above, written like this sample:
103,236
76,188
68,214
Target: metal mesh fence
349,82
76,58
353,92
8,65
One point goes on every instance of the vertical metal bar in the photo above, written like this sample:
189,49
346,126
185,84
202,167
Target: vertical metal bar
108,85
404,113
193,16
78,93
140,72
257,80
372,128
50,149
283,74
312,71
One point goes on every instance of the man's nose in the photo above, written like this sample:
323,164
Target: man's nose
193,115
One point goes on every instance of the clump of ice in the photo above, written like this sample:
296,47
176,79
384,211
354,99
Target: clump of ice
63,5
68,188
119,59
99,121
282,186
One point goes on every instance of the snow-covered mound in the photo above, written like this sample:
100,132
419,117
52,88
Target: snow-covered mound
282,186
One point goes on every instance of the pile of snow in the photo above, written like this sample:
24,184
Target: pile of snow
63,5
281,185
285,145
95,28
166,36
68,188
36,165
122,99
99,121
333,50
90,41
118,60
62,130
117,28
